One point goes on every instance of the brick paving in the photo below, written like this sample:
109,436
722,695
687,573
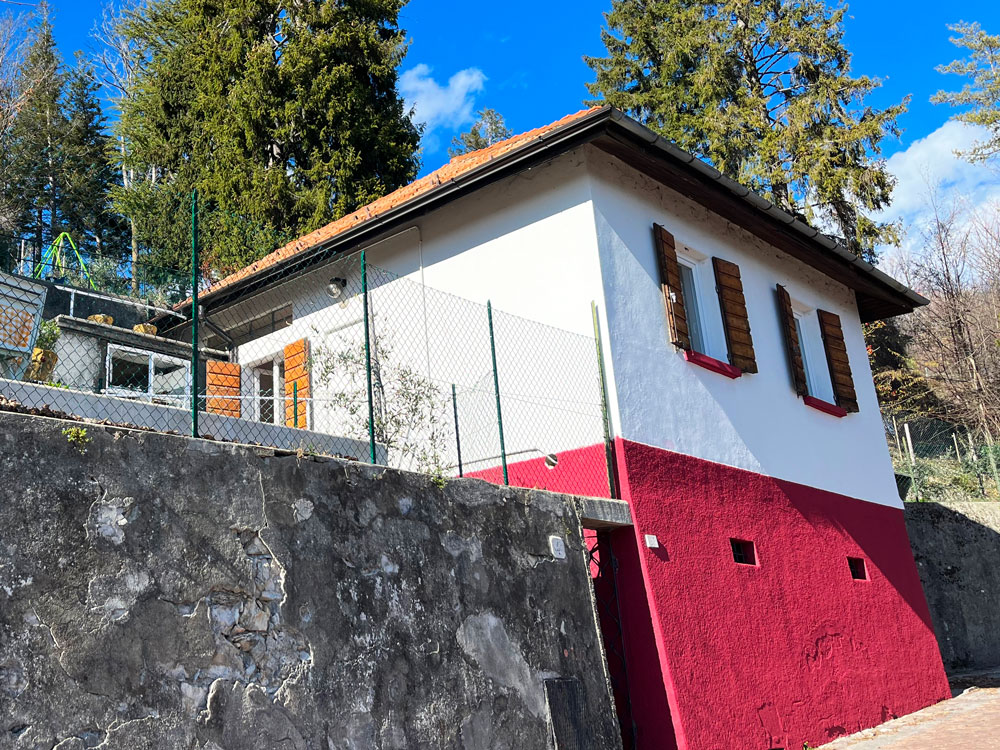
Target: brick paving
970,720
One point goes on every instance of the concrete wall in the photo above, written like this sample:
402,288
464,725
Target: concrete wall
755,422
163,418
957,549
161,592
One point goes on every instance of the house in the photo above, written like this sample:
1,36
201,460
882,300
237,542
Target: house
765,595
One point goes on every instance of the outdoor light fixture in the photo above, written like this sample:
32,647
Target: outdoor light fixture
336,287
551,459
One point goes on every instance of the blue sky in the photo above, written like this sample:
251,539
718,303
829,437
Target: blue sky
524,59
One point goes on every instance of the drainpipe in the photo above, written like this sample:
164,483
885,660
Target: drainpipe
210,324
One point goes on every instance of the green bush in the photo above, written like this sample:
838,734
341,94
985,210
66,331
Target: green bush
48,335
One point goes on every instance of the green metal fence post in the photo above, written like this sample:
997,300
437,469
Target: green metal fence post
368,361
194,313
496,389
458,439
295,403
609,452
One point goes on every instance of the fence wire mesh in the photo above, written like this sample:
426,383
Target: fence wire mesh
349,360
938,461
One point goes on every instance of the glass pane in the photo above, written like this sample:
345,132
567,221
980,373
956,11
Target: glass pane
691,309
806,365
129,370
265,392
169,377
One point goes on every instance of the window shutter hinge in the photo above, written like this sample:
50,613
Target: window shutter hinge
673,296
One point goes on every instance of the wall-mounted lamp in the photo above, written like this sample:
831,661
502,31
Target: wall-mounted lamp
336,287
551,459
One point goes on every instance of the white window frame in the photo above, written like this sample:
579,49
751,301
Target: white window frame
819,382
705,304
278,398
151,357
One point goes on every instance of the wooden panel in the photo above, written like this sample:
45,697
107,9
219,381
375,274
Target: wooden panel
297,384
670,283
735,319
836,357
792,345
222,387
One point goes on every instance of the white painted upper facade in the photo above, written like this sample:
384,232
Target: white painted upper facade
546,243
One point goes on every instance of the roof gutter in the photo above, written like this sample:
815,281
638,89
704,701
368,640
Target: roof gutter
764,205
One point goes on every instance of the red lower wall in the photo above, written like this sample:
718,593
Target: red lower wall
580,471
791,650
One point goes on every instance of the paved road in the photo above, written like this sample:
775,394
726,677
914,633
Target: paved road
969,721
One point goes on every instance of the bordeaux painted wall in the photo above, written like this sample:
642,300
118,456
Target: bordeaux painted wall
790,650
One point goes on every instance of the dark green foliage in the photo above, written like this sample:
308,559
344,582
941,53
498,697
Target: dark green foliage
489,128
35,146
283,116
763,91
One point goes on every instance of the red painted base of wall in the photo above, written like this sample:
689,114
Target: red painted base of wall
580,471
792,649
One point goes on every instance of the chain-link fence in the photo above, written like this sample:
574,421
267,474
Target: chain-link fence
348,360
942,462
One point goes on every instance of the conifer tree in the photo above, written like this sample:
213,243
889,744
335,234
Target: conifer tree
88,173
981,93
36,155
489,128
763,91
283,116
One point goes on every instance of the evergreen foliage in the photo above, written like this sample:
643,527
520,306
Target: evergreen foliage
489,128
981,94
763,91
283,116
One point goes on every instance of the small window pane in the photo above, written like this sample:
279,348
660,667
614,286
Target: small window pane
691,309
129,370
169,377
806,364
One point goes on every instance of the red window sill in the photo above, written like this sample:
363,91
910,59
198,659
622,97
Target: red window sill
824,406
713,364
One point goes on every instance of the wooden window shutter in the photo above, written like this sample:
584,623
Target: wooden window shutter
670,282
836,357
792,344
222,387
297,383
735,320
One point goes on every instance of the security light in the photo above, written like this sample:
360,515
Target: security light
336,287
551,459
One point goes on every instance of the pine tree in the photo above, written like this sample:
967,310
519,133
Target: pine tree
36,155
489,128
981,94
283,116
88,174
763,91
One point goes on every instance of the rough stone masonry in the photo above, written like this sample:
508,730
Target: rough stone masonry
161,592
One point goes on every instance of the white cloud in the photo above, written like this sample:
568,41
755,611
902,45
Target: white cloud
434,105
927,166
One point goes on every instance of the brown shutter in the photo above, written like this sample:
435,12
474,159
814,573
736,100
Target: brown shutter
297,374
792,344
670,282
222,386
836,357
735,320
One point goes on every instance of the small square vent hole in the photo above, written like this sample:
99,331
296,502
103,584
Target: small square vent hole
859,571
743,552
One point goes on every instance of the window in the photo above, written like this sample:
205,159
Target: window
692,306
743,552
859,571
268,390
143,374
818,380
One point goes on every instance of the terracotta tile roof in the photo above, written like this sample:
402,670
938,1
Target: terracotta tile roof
457,167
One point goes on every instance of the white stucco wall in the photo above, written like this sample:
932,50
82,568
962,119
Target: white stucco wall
754,422
527,244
